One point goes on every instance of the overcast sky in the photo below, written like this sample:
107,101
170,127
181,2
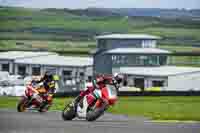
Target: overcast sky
188,4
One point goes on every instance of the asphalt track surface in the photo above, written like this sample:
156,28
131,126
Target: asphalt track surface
51,122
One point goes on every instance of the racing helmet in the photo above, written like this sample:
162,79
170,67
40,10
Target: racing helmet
56,77
51,76
118,77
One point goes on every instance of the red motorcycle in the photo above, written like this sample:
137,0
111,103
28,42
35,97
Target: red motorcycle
33,99
105,97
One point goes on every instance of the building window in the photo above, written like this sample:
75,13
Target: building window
102,44
119,59
143,60
156,83
162,60
51,69
5,67
148,43
82,74
124,59
36,71
114,58
67,74
153,60
22,70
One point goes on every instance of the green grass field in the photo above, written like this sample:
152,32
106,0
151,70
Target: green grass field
170,32
159,108
49,45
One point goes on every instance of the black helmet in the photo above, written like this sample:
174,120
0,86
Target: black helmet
48,75
51,76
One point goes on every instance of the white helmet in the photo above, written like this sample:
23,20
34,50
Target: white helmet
115,74
118,77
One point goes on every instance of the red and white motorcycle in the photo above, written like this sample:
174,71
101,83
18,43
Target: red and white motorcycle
105,97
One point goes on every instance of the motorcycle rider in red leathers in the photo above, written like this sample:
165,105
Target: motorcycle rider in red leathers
100,82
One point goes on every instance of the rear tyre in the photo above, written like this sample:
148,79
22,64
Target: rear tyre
21,106
44,108
69,112
92,115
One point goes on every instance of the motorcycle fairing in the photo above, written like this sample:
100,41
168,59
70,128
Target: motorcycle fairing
97,93
82,110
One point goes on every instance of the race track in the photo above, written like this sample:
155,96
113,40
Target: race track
51,122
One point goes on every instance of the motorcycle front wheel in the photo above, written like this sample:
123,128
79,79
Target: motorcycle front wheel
21,106
69,112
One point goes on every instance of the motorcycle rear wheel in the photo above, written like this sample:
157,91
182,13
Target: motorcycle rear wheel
43,109
94,114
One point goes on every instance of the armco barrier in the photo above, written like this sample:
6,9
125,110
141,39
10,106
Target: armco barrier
129,93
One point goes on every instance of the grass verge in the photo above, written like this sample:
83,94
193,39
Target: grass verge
158,108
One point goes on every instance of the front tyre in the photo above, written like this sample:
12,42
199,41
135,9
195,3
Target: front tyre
69,112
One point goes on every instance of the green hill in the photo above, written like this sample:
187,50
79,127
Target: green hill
42,28
62,24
